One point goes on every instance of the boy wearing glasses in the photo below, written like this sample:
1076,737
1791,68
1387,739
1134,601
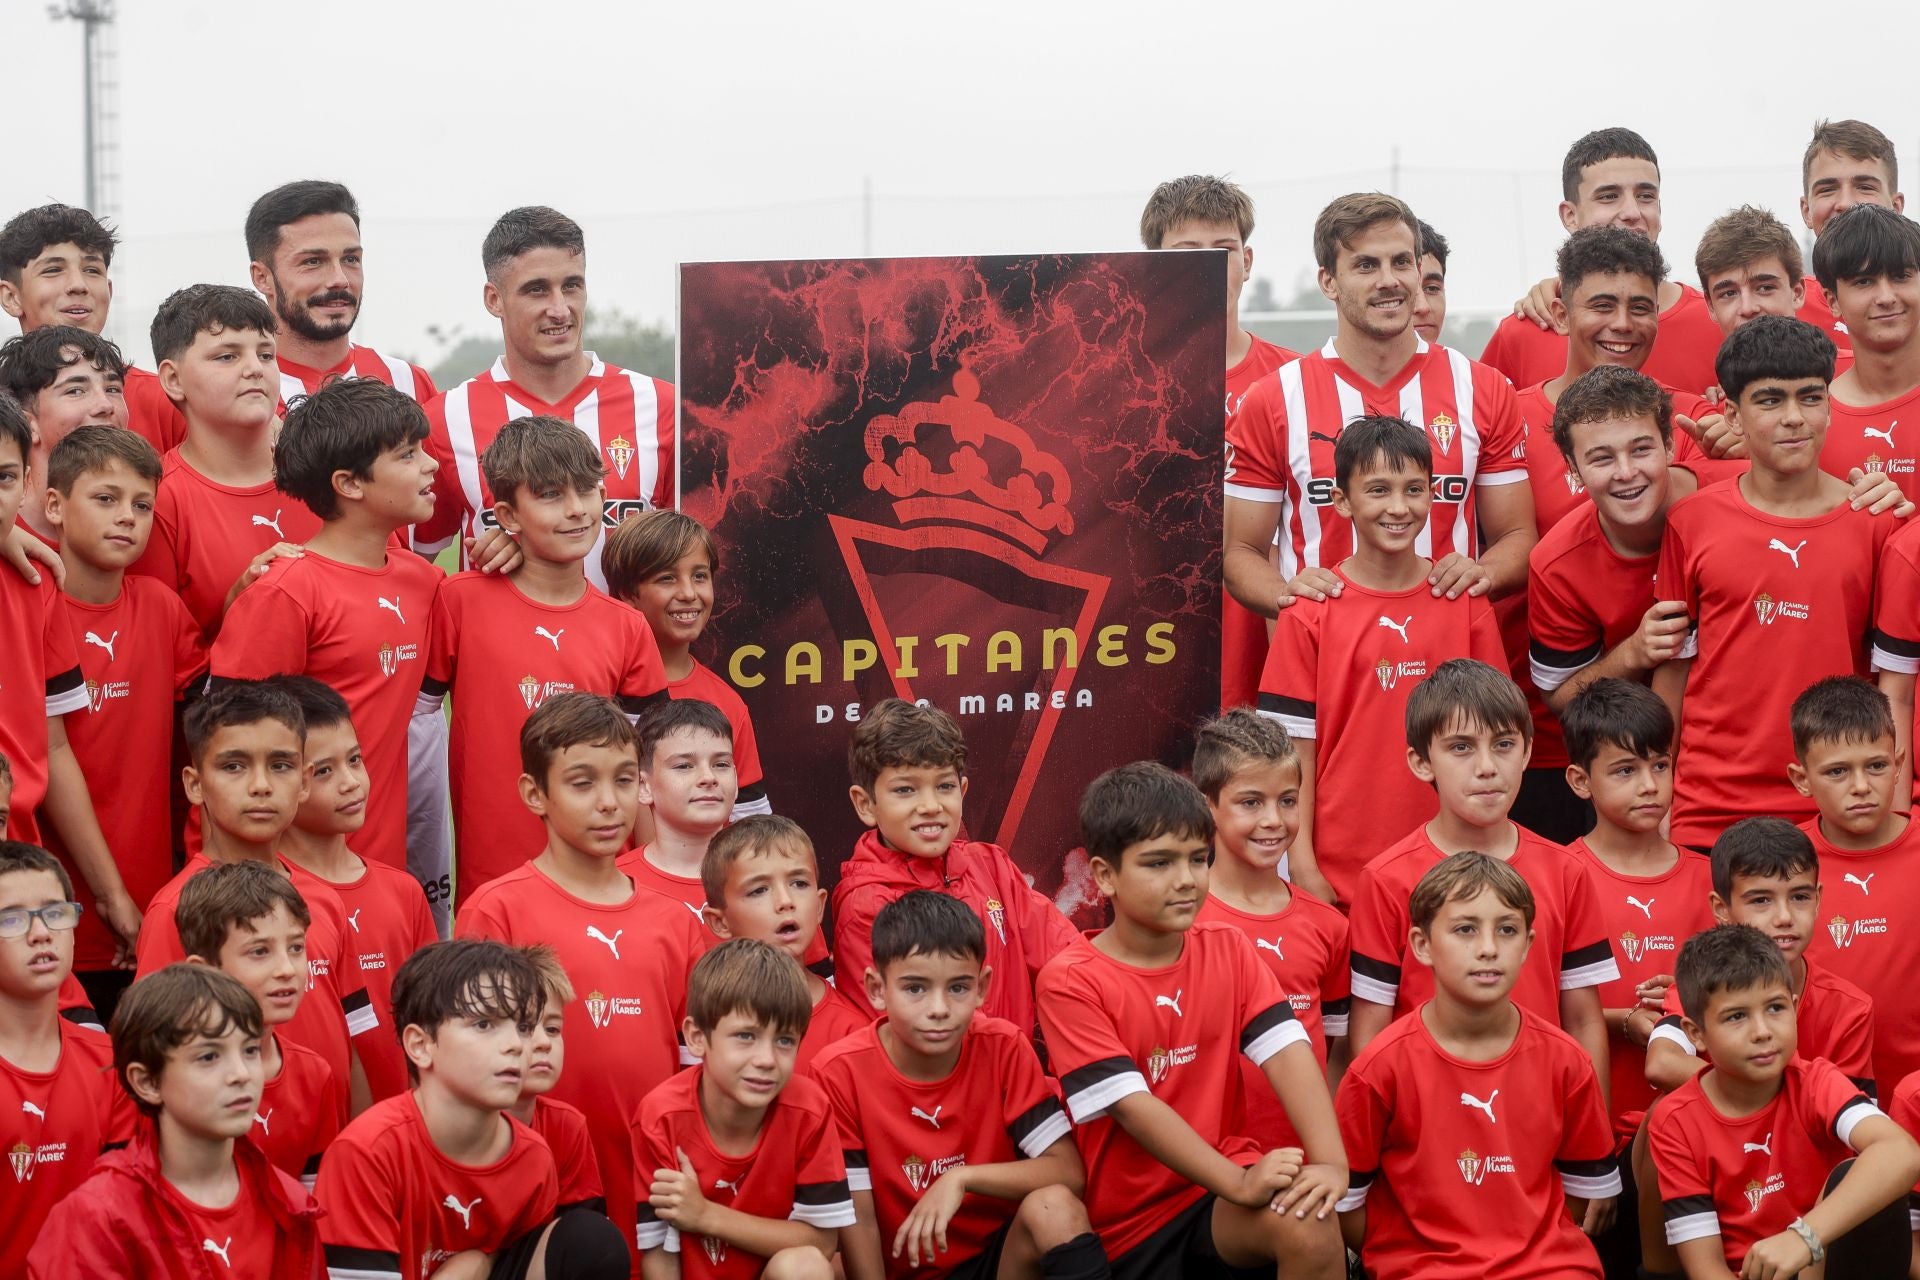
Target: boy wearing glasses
59,1104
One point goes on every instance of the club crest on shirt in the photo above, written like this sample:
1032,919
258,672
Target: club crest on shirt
922,1173
1574,485
101,692
997,917
21,1158
1390,673
1769,610
1443,429
1157,1063
1475,1167
716,1249
1383,671
1758,1191
1637,947
534,691
620,454
387,664
1845,932
602,1008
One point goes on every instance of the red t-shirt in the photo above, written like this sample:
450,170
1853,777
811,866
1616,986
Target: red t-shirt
1243,633
996,1106
1815,311
837,1016
502,655
1896,607
567,1132
1464,1167
690,890
1744,1178
240,1235
1777,603
395,1205
1906,1113
298,380
629,965
40,676
388,919
1683,350
362,631
205,534
1280,446
627,415
1583,598
139,655
151,412
54,1124
1866,939
794,1172
1836,1023
705,684
334,1011
1869,436
299,1112
1570,945
1305,945
1113,1030
1340,673
1648,918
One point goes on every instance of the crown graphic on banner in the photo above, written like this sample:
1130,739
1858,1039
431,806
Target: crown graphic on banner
992,475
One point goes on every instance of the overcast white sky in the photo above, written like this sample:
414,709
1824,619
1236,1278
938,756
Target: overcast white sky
746,129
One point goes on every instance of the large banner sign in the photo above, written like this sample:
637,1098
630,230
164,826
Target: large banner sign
992,484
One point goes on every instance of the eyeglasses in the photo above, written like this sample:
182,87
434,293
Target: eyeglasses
58,916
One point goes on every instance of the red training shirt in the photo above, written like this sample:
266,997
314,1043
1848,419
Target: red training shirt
566,1132
40,678
1464,1167
388,919
1583,598
1340,673
151,412
299,1112
705,684
837,1016
1865,938
1869,436
1836,1023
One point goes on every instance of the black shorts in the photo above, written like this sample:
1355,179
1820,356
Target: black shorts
1183,1247
985,1264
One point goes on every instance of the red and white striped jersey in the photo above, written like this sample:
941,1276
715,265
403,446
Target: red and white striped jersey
361,362
628,415
1280,445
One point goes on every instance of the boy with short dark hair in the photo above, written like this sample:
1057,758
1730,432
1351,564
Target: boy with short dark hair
909,766
1340,670
387,914
1766,874
688,781
441,1180
563,1126
1846,759
1776,572
37,652
248,921
186,1048
954,1140
626,949
141,655
54,263
64,378
742,1126
1247,768
247,773
1468,735
1141,1025
762,882
1847,163
218,520
1868,264
1472,1072
349,611
663,563
1651,894
505,643
1814,1160
1430,305
55,1077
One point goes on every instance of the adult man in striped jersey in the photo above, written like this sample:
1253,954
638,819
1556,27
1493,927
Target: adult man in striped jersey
303,240
536,265
1280,477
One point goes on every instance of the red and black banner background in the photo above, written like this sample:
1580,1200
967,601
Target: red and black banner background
991,483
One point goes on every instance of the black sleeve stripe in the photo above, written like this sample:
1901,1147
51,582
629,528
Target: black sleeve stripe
433,688
1895,645
1379,970
354,1001
1032,1118
1598,953
822,968
856,1157
1686,1206
1586,1168
343,1257
1359,1179
1564,659
1274,1015
1276,705
747,795
1671,1020
1075,1082
597,1204
312,1166
634,706
81,1016
643,1213
65,682
821,1193
1337,1008
1866,1096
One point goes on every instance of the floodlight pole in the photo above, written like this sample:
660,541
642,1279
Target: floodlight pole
92,15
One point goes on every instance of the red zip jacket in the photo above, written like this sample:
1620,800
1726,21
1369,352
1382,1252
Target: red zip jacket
1024,928
118,1224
